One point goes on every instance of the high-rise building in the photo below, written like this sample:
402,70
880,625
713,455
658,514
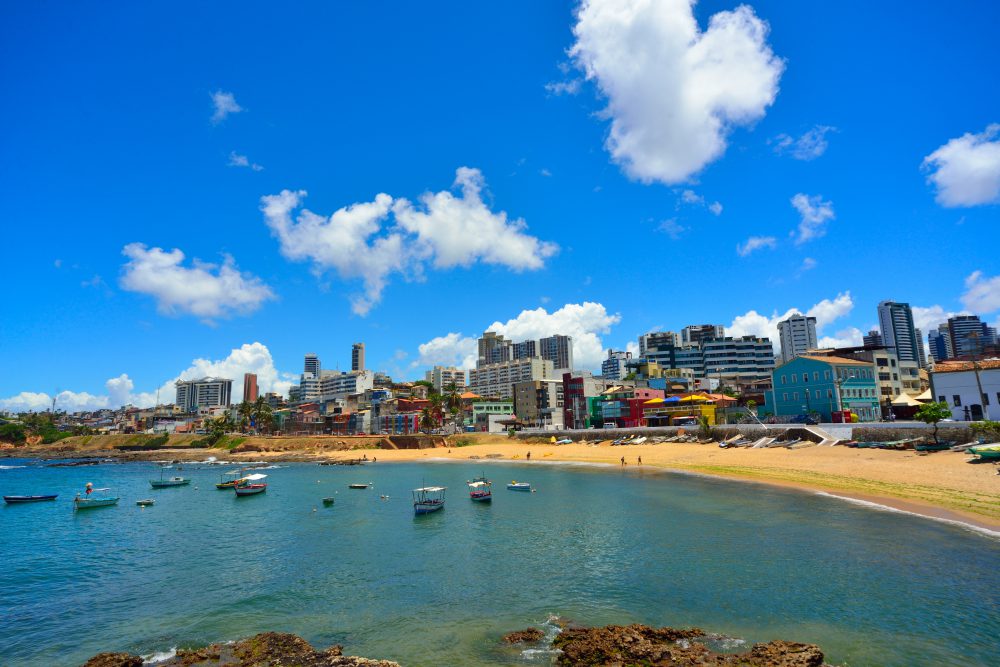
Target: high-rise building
312,364
873,337
896,322
737,361
696,333
498,380
921,352
526,349
969,335
250,387
208,392
444,376
939,342
358,357
614,367
493,349
559,350
656,339
797,335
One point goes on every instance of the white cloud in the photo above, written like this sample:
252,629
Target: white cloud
225,104
692,197
808,264
982,294
966,171
826,311
674,91
672,228
237,160
850,337
926,318
585,322
568,87
248,358
755,243
715,207
545,172
446,231
206,290
815,213
809,146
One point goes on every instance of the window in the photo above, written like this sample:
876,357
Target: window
893,362
794,376
795,396
816,376
817,394
829,393
941,398
883,377
826,375
782,379
882,362
957,400
784,396
986,399
805,378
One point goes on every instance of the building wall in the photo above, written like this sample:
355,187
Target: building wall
443,376
498,380
959,390
806,385
358,357
250,387
797,335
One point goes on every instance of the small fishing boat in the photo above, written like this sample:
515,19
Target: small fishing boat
481,489
250,485
91,499
932,447
172,481
328,501
145,503
989,452
428,499
13,500
358,486
519,486
227,480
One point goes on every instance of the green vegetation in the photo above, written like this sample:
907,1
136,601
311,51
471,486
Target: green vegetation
987,430
461,442
932,413
13,433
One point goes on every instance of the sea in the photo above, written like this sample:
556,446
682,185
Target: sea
591,545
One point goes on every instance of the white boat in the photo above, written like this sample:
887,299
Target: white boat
481,489
428,499
172,481
251,485
92,499
519,486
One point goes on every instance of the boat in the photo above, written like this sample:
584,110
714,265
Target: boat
481,489
358,486
91,500
13,500
227,480
519,486
250,485
328,501
428,499
989,452
932,447
145,503
164,483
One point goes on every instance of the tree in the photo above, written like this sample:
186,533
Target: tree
13,433
932,413
426,419
261,414
245,411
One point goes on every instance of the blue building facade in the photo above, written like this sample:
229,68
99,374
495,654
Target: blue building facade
823,385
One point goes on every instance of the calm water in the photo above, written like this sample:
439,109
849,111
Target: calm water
594,545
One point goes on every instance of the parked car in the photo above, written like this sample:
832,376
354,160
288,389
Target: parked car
808,420
685,421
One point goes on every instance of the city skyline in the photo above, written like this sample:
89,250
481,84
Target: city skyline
174,190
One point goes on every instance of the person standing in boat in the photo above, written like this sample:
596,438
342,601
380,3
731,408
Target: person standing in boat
89,488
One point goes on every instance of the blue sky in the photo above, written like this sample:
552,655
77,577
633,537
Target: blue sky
165,125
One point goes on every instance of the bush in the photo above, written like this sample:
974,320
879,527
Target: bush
987,430
13,433
462,442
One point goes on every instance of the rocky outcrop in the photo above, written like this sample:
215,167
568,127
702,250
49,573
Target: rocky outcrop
642,645
526,635
268,649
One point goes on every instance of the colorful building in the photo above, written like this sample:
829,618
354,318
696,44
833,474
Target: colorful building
826,385
623,406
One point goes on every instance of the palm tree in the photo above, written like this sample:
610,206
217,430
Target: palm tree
245,411
454,401
426,419
262,414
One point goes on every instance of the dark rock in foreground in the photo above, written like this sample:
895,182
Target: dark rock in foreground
268,649
527,635
642,645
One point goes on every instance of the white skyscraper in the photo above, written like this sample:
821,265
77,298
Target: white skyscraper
896,322
797,335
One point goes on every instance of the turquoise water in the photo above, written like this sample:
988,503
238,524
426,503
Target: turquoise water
594,545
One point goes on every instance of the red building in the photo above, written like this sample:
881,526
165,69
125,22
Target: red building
250,387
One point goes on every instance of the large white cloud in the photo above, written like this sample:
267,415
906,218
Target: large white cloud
674,91
443,230
826,312
248,358
206,290
966,170
585,322
815,213
982,294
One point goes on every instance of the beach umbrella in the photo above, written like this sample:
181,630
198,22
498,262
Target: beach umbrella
654,401
692,398
672,399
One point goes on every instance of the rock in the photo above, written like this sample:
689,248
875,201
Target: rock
527,635
114,660
617,645
268,649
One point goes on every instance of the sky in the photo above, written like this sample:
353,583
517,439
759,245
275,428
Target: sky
217,188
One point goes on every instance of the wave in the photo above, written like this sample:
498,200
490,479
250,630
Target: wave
982,530
11,467
159,656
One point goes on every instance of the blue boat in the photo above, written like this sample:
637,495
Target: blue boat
12,500
428,499
519,486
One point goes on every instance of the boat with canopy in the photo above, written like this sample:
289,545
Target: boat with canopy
428,499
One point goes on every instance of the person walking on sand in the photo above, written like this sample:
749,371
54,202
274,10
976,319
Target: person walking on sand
639,460
528,456
623,460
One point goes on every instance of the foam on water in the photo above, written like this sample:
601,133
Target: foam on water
159,656
550,626
11,467
886,508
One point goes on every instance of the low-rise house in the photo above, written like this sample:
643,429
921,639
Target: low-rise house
824,385
970,398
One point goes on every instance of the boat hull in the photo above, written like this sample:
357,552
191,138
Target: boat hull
427,507
162,484
251,490
222,486
14,500
88,504
519,487
481,497
357,486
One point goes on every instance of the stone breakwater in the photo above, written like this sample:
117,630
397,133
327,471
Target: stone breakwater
268,649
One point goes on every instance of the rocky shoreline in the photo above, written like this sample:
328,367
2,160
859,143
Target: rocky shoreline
609,646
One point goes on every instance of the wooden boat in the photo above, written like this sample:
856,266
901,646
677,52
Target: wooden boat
328,501
481,490
428,499
92,500
145,503
358,486
227,480
931,447
519,486
251,485
989,452
164,483
13,500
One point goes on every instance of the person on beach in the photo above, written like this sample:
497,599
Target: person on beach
528,456
639,460
623,460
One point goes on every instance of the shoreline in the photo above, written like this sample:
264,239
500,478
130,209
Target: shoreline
939,486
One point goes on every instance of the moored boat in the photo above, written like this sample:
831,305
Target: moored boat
227,480
428,499
13,500
92,498
519,486
328,501
172,481
481,490
358,486
251,485
145,503
989,452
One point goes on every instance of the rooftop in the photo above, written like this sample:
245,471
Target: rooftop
834,360
956,366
